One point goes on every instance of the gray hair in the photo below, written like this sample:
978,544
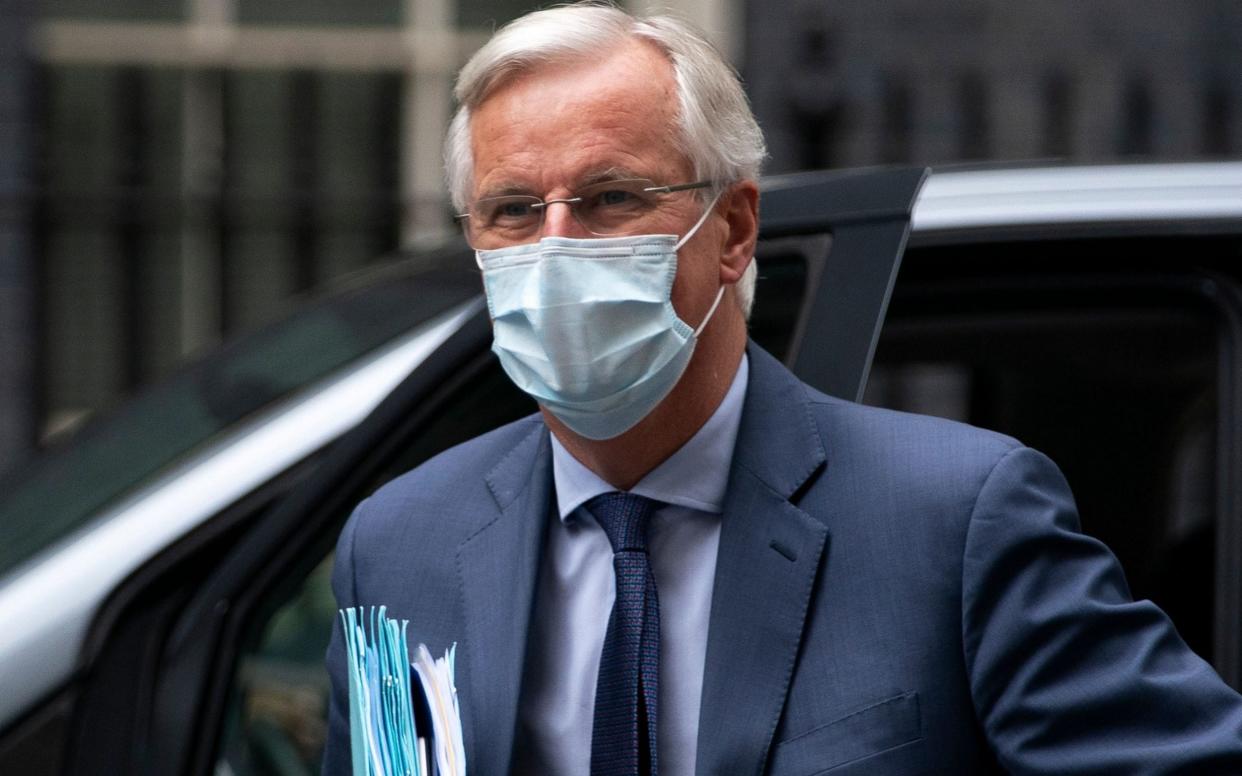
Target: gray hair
716,130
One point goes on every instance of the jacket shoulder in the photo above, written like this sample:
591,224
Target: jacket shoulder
453,482
904,434
923,465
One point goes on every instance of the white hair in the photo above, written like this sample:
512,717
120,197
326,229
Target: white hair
716,130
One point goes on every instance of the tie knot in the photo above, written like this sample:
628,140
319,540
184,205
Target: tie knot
623,517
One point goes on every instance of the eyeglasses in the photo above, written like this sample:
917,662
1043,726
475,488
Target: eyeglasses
607,209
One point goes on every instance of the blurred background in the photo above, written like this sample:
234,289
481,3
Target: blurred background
174,172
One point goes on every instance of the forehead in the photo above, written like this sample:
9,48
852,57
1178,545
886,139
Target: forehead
556,126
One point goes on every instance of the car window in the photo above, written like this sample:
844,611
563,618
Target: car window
277,721
1123,400
112,457
1115,379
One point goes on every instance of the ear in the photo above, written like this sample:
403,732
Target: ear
740,208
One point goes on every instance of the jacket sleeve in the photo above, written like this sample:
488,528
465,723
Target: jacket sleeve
336,754
1068,674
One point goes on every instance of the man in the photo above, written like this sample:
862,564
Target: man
689,562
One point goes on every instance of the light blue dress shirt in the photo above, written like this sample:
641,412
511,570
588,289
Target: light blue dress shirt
577,588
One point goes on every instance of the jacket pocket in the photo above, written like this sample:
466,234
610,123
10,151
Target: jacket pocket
864,732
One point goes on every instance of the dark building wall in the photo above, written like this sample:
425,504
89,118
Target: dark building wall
17,351
850,82
180,191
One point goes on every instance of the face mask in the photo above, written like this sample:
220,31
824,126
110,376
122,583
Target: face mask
587,326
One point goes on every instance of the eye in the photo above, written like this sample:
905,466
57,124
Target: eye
617,196
507,212
513,210
612,197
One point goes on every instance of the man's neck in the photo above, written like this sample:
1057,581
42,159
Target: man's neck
624,460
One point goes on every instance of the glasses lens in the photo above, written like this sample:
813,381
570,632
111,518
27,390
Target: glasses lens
497,221
616,207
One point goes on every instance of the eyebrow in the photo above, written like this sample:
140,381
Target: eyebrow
610,174
504,190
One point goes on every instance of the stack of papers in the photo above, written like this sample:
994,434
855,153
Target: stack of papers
399,727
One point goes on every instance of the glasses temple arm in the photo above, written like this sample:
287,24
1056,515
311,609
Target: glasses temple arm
681,187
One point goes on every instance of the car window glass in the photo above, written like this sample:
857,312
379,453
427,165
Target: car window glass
1118,388
782,267
112,457
277,719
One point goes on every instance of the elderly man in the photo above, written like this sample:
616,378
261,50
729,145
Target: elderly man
688,561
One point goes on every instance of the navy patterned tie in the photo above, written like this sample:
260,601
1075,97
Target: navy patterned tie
623,739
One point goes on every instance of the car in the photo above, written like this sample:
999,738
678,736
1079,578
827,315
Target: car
164,601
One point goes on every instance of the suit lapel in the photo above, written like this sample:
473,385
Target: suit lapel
769,557
498,572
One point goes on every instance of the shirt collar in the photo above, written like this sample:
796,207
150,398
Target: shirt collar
695,476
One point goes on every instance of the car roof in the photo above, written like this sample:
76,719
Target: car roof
957,199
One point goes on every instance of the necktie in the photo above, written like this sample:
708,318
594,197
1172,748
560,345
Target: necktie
623,738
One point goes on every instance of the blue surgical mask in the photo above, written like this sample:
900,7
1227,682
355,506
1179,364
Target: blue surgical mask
587,327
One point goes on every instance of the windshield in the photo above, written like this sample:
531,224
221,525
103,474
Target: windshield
60,491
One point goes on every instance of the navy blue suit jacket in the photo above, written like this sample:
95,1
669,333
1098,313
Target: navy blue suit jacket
894,595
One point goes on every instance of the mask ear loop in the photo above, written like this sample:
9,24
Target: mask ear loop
700,222
710,312
683,241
